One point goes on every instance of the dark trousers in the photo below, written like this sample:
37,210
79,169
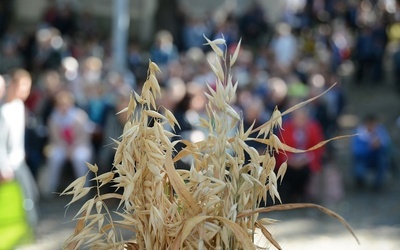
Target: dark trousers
294,184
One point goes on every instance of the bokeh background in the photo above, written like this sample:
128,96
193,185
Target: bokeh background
291,50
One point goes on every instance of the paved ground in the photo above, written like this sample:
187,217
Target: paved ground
374,216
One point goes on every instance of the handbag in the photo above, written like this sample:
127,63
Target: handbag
14,227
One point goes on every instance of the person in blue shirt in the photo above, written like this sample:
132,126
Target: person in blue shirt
370,150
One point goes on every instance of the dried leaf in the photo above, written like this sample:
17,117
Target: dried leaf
179,186
268,235
154,114
171,118
78,196
214,46
80,225
92,168
293,150
154,68
236,53
79,182
240,235
291,206
282,170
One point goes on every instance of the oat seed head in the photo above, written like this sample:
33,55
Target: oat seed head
214,205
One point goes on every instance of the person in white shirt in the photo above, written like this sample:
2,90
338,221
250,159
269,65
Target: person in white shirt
6,172
12,140
69,139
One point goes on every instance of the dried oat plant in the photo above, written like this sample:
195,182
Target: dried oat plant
214,205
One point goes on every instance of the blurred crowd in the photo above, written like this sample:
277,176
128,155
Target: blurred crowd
71,110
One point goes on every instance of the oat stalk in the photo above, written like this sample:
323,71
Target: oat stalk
214,205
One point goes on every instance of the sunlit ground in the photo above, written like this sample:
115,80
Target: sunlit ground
303,234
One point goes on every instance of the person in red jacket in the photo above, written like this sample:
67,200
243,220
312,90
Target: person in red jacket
299,131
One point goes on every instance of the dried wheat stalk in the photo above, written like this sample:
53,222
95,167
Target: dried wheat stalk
214,205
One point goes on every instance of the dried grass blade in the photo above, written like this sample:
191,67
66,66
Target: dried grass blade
78,182
301,104
78,196
236,53
268,235
287,148
183,153
240,234
179,186
122,111
214,46
131,246
281,171
80,225
291,109
291,206
109,196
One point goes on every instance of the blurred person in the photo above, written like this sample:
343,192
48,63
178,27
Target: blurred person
12,156
300,131
193,31
380,38
92,70
69,140
135,58
10,57
254,112
204,74
40,104
6,172
294,13
276,94
196,110
5,17
253,25
96,110
163,51
81,78
70,75
396,67
66,20
90,75
243,68
95,48
2,88
191,62
324,109
115,83
228,30
113,127
47,50
48,85
174,70
336,100
177,100
370,150
369,51
69,70
87,24
284,46
51,13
